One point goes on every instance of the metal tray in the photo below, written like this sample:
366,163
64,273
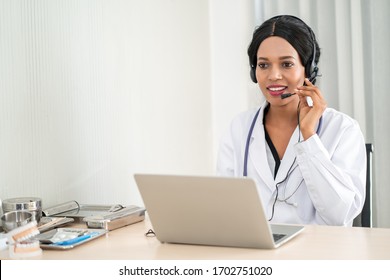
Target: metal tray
72,209
126,216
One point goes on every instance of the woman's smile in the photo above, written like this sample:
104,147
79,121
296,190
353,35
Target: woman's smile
276,90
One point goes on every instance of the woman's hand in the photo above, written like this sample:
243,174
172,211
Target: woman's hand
309,116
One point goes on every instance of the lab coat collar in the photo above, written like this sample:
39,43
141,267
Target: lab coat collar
287,163
258,154
257,150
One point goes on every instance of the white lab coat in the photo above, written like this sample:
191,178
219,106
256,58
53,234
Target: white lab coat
330,173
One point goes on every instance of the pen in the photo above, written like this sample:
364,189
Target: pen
76,240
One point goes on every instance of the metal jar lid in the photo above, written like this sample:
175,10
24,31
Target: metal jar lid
22,203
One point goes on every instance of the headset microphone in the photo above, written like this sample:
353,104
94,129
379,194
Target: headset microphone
286,95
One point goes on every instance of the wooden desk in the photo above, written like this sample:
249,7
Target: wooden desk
315,242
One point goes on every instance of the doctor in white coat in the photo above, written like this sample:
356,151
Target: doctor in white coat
309,161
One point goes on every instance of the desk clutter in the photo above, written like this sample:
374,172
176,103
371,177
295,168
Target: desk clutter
26,228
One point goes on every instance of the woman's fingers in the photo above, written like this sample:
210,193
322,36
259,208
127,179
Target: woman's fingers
310,113
310,90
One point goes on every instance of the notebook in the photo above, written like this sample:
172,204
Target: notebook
205,210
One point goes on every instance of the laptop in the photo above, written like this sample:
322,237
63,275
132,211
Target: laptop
207,210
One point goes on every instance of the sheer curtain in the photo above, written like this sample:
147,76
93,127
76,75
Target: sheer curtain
354,40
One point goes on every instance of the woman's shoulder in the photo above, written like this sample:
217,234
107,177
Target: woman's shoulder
244,119
336,120
246,115
336,116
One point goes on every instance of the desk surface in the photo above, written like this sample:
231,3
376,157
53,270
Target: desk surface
315,242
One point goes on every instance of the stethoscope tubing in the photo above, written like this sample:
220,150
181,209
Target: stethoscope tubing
246,155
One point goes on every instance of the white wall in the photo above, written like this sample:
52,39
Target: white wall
95,91
231,26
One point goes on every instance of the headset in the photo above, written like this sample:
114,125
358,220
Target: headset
313,71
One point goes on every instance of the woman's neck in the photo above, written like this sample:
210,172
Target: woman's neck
282,115
280,123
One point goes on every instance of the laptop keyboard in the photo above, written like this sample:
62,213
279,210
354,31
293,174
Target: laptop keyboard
278,236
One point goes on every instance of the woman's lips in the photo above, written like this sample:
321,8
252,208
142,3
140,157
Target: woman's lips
276,90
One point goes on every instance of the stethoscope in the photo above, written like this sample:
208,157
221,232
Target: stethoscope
248,140
291,169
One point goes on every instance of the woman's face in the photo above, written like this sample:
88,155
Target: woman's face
279,69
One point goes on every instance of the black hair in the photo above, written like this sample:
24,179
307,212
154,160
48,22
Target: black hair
297,33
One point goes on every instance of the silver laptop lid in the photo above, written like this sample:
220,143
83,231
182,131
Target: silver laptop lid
205,210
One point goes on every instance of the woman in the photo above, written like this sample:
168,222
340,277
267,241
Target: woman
308,160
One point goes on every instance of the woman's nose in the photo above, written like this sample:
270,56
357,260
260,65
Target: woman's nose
274,74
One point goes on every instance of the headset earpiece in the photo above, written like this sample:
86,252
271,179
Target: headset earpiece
253,74
312,75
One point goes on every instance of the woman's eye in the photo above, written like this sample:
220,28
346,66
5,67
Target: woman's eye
287,64
262,65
